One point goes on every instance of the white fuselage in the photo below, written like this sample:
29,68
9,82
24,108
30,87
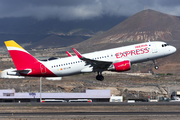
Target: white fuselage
134,53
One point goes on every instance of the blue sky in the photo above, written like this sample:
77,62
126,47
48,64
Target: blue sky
83,9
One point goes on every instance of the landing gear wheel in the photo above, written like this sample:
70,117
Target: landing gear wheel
100,77
156,67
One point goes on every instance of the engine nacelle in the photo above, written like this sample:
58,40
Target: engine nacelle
120,66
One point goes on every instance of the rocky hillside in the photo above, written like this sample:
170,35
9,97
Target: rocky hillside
33,31
143,26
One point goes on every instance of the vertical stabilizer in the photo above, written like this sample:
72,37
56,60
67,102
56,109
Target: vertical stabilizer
19,55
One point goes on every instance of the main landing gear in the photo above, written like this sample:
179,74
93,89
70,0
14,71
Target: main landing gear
99,76
155,65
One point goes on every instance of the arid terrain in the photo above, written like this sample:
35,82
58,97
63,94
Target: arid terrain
129,85
140,82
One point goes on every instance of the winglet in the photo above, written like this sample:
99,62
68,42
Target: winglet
68,54
77,53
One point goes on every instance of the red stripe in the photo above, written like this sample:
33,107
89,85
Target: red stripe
24,60
39,70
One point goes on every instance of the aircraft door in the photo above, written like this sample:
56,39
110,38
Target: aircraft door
43,69
154,48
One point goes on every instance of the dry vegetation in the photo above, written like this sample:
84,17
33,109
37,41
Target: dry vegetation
119,84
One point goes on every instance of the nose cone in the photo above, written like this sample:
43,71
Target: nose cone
173,49
169,50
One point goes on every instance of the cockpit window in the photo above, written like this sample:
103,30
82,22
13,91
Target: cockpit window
164,45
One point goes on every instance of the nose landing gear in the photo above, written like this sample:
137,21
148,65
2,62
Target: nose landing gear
99,76
155,65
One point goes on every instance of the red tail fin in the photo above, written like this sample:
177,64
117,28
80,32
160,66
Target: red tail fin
19,55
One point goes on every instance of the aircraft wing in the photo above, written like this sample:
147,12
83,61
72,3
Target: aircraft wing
96,64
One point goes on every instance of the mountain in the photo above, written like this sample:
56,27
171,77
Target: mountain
30,30
143,26
56,41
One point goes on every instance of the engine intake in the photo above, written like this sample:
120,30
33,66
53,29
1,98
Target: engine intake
120,66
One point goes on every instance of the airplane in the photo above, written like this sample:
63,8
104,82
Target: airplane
116,59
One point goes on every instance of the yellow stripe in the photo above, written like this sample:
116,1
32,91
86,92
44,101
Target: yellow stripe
12,43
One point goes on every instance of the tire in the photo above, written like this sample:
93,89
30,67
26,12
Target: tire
156,67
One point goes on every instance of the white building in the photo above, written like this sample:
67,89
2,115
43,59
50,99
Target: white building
116,99
94,95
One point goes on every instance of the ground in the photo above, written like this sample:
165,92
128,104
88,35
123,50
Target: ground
130,86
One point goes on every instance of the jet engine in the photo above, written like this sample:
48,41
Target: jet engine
120,66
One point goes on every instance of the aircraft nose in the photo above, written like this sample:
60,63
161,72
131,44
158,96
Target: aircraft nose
173,49
170,50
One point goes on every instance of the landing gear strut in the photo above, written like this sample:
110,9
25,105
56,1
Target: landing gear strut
155,65
99,76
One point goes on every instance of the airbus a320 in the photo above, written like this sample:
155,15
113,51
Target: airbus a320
117,59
